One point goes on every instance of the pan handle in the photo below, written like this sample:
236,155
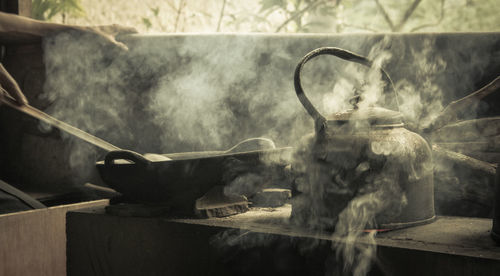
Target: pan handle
133,156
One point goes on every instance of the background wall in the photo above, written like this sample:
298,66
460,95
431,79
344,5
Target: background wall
172,93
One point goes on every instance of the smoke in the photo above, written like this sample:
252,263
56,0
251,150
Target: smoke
174,93
329,192
188,98
422,101
381,196
337,189
192,104
80,68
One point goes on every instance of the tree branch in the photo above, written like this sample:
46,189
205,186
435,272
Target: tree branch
221,15
179,12
361,28
339,17
299,13
441,17
386,16
407,15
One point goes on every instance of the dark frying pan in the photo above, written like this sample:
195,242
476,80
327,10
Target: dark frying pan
177,182
177,178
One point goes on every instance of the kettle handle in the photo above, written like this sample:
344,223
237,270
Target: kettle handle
320,120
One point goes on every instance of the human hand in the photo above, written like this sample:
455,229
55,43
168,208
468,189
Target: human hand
23,29
106,35
10,87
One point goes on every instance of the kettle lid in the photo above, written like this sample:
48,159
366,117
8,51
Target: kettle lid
374,116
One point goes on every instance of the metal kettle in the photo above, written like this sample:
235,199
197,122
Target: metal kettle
363,154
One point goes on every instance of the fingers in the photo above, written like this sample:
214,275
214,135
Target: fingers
120,45
116,29
16,94
11,87
123,30
105,35
111,31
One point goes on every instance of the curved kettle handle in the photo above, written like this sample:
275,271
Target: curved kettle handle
319,119
127,155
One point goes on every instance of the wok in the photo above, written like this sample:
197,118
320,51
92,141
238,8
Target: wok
177,178
178,182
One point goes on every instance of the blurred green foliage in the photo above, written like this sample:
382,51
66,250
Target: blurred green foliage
148,21
382,15
47,9
291,16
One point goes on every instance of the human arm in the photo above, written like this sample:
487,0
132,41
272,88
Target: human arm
10,86
14,28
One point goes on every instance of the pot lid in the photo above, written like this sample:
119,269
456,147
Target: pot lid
375,116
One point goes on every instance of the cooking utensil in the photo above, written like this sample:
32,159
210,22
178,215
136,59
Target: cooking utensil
463,185
245,145
37,114
178,182
453,110
155,177
361,151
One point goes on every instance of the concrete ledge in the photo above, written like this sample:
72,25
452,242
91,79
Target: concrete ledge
263,242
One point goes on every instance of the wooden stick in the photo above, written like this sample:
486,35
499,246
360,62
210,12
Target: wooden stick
37,114
451,112
468,131
462,162
486,156
467,147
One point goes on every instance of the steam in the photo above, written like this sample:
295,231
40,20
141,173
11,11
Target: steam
355,248
187,98
205,109
332,197
194,103
423,100
338,201
184,93
79,70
